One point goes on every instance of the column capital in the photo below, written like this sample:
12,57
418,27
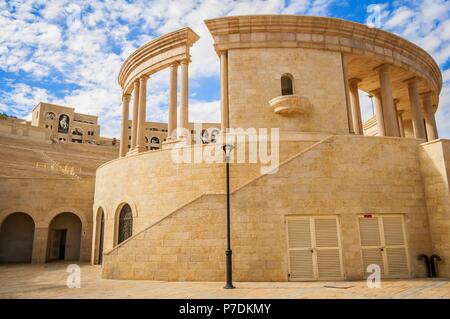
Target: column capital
383,67
185,61
144,77
411,81
126,97
426,94
376,92
354,81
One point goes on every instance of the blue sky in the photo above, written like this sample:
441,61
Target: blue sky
69,52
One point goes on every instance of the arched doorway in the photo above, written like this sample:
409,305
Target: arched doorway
64,237
16,239
125,230
100,235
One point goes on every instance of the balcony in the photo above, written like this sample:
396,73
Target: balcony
290,105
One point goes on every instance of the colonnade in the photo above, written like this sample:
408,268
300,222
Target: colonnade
389,118
139,91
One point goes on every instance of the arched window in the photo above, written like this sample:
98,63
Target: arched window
125,224
204,136
154,140
286,85
214,133
63,125
50,116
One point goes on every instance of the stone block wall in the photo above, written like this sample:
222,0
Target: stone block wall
256,75
345,176
155,186
435,167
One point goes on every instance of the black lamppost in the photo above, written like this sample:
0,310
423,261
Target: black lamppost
227,148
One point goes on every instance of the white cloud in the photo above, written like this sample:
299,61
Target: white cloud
85,43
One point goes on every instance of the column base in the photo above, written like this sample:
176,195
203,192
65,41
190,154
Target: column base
137,150
172,142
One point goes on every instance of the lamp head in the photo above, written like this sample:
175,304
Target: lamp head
227,148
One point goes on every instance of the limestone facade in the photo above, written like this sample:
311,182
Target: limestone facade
47,191
346,195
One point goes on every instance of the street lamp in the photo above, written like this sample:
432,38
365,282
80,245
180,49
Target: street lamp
227,148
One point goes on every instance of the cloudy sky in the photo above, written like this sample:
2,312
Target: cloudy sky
69,52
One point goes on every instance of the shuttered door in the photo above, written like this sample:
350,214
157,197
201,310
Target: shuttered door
369,231
300,249
328,253
383,243
395,246
314,248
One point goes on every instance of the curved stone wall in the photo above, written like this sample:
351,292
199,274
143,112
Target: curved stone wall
154,185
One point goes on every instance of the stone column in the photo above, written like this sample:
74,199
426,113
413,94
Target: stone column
135,114
125,122
400,123
378,112
39,254
428,112
224,90
356,107
351,128
416,114
387,101
173,87
184,98
140,142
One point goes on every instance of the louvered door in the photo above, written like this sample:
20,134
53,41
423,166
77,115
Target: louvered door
383,243
301,264
314,248
327,248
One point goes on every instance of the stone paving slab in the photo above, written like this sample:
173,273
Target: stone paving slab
49,281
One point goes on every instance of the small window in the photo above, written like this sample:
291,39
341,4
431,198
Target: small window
286,85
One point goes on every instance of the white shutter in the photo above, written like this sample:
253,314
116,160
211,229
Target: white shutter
328,249
372,256
397,260
371,250
314,248
300,249
369,232
383,243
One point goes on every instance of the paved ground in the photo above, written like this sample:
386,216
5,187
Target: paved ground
49,281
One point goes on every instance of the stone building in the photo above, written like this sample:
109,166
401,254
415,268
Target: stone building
47,186
342,197
65,125
156,134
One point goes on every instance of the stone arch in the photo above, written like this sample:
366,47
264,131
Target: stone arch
117,214
6,212
64,237
16,238
53,213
